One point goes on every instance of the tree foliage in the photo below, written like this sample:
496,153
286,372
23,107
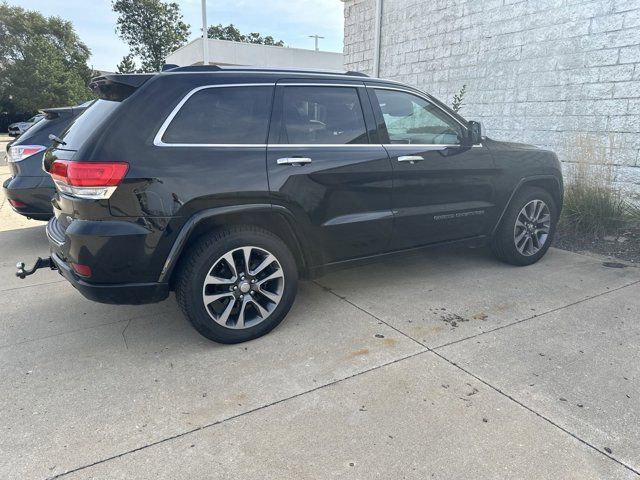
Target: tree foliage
231,32
152,29
127,65
458,99
43,63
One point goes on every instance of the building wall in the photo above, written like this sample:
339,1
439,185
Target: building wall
554,73
223,52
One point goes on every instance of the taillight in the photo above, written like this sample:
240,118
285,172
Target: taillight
20,152
92,180
17,203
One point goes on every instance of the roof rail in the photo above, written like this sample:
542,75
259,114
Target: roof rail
247,68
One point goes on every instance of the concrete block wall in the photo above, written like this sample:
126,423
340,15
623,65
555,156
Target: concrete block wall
554,73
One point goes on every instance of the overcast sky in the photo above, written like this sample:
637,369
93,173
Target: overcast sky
288,20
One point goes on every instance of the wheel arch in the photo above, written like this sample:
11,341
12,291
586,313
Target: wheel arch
549,183
275,219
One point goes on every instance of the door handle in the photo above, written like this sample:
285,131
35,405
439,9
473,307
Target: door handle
410,158
295,161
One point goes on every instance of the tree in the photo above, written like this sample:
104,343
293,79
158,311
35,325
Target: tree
127,65
44,63
230,32
152,28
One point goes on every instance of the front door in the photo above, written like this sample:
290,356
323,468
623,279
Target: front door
442,190
325,165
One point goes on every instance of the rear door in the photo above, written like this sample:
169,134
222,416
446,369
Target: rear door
442,190
325,163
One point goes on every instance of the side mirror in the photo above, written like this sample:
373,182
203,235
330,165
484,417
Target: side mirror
476,132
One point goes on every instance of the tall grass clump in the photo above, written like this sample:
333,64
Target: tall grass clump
593,202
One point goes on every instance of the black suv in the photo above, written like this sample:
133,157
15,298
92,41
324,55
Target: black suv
228,184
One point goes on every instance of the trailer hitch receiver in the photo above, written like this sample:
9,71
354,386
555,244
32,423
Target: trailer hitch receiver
40,263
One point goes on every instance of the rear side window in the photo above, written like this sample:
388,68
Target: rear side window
86,123
321,116
223,115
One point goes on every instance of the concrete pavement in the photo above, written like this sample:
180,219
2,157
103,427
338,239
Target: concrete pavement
445,364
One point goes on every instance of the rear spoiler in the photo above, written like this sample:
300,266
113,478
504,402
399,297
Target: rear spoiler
51,113
117,87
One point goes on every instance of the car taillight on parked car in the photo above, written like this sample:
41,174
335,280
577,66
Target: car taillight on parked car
91,180
20,152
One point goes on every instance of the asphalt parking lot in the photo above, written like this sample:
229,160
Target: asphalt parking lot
444,364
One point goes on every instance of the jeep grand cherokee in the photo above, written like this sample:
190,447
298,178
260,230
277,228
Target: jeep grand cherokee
228,184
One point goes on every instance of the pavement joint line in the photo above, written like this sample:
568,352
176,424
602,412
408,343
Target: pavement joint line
539,315
498,390
364,310
515,400
238,415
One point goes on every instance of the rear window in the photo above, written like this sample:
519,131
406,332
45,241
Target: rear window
36,131
86,123
222,116
39,133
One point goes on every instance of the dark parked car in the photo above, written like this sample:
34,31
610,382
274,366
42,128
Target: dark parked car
30,188
228,184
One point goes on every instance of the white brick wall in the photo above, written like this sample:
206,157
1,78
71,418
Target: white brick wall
537,71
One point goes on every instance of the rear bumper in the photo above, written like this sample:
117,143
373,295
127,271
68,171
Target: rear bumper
34,192
119,293
64,249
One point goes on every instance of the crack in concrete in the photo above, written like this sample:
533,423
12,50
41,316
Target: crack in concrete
124,337
90,327
31,285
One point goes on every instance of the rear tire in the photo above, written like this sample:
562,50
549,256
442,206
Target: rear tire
237,284
527,228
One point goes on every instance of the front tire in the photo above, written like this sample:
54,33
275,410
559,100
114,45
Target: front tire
527,228
237,284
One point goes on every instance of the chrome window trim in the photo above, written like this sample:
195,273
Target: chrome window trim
302,84
157,140
419,95
325,145
421,146
426,146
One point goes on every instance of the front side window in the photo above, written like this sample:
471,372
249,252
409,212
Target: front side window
322,116
223,115
413,120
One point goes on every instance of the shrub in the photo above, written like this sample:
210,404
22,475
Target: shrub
593,202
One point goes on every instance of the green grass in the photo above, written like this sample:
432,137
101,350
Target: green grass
593,202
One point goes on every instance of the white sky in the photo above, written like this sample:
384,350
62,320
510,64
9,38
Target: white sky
288,20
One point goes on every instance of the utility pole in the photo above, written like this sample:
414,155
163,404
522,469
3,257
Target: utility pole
205,41
317,37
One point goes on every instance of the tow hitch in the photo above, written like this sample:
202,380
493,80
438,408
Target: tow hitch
40,263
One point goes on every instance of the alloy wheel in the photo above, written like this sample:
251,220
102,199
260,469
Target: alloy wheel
243,287
532,227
